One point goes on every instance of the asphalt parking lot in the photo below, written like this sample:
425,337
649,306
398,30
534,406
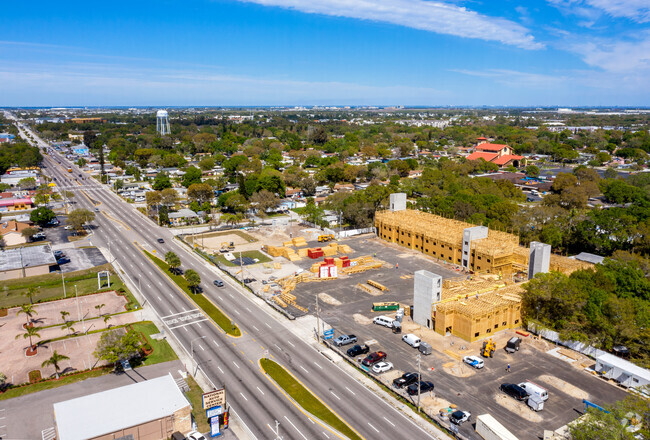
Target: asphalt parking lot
347,309
82,258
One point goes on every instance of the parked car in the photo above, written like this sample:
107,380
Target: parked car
382,367
425,387
356,350
195,436
383,320
160,240
58,254
38,236
458,417
67,227
411,340
218,283
249,280
373,358
64,260
474,361
514,391
345,340
405,380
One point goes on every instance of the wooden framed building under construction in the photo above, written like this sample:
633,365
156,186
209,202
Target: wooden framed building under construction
475,248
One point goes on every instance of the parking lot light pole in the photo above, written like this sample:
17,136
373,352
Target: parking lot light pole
419,380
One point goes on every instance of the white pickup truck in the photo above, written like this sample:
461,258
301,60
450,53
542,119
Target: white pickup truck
345,340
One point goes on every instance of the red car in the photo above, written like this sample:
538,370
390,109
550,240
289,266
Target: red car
373,358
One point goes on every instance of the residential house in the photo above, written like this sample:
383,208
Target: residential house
11,232
499,154
343,187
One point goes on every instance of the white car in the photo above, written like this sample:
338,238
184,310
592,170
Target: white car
474,361
194,436
458,417
382,367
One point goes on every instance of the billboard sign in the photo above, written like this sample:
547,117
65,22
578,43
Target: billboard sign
214,398
214,412
214,427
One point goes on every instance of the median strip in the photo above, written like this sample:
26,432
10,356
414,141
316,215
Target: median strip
204,303
303,397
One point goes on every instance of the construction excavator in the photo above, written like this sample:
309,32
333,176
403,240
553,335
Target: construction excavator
489,348
326,237
227,247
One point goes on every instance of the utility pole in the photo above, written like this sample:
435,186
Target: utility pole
277,431
317,320
419,380
241,268
79,309
63,282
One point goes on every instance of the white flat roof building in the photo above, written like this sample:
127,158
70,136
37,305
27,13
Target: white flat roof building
151,409
622,371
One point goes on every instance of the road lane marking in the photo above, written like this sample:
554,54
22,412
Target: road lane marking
326,435
258,388
267,324
318,365
350,390
215,343
373,427
220,370
290,343
201,347
389,422
277,346
249,310
312,422
335,395
247,399
235,364
294,427
237,312
303,369
256,329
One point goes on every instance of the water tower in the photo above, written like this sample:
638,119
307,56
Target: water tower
162,122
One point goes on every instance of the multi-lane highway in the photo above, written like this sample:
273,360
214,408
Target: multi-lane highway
226,360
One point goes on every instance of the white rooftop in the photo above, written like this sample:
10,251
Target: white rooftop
627,366
109,411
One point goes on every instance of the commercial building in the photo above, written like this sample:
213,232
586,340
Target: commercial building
475,248
496,153
15,204
150,410
12,232
26,262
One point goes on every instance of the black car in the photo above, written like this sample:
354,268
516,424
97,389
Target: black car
249,280
425,387
405,380
357,350
218,283
64,260
514,391
160,240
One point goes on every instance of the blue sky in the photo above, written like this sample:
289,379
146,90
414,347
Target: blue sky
326,52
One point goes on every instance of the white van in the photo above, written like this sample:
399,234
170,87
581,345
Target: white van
535,390
383,320
411,340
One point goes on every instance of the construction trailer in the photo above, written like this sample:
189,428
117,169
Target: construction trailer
621,371
475,248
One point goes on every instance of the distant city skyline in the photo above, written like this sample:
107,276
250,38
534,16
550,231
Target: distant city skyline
563,53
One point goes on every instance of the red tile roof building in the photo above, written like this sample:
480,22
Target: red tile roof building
499,154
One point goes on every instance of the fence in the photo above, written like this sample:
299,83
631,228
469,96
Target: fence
554,336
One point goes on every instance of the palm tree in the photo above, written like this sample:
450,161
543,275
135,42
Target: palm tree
99,309
68,326
30,293
64,314
29,311
106,319
173,261
193,279
29,332
54,361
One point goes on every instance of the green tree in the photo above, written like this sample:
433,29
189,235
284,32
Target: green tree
613,423
173,261
31,293
28,233
27,183
29,311
207,163
30,332
114,346
81,162
54,361
192,175
80,217
64,315
169,197
161,182
41,216
313,213
99,308
532,171
264,200
200,192
193,279
106,319
67,325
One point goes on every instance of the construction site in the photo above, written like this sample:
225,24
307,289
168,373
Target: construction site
475,248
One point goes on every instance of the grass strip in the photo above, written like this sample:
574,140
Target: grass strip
206,305
250,254
305,398
195,394
48,385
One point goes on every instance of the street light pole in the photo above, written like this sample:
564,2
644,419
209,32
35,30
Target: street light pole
419,380
63,282
192,349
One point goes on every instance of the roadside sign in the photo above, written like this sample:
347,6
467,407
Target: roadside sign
214,427
214,412
214,398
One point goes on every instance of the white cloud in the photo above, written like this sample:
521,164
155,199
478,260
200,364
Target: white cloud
617,56
635,10
515,78
430,16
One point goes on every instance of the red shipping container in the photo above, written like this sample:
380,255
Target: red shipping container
329,260
346,263
315,253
